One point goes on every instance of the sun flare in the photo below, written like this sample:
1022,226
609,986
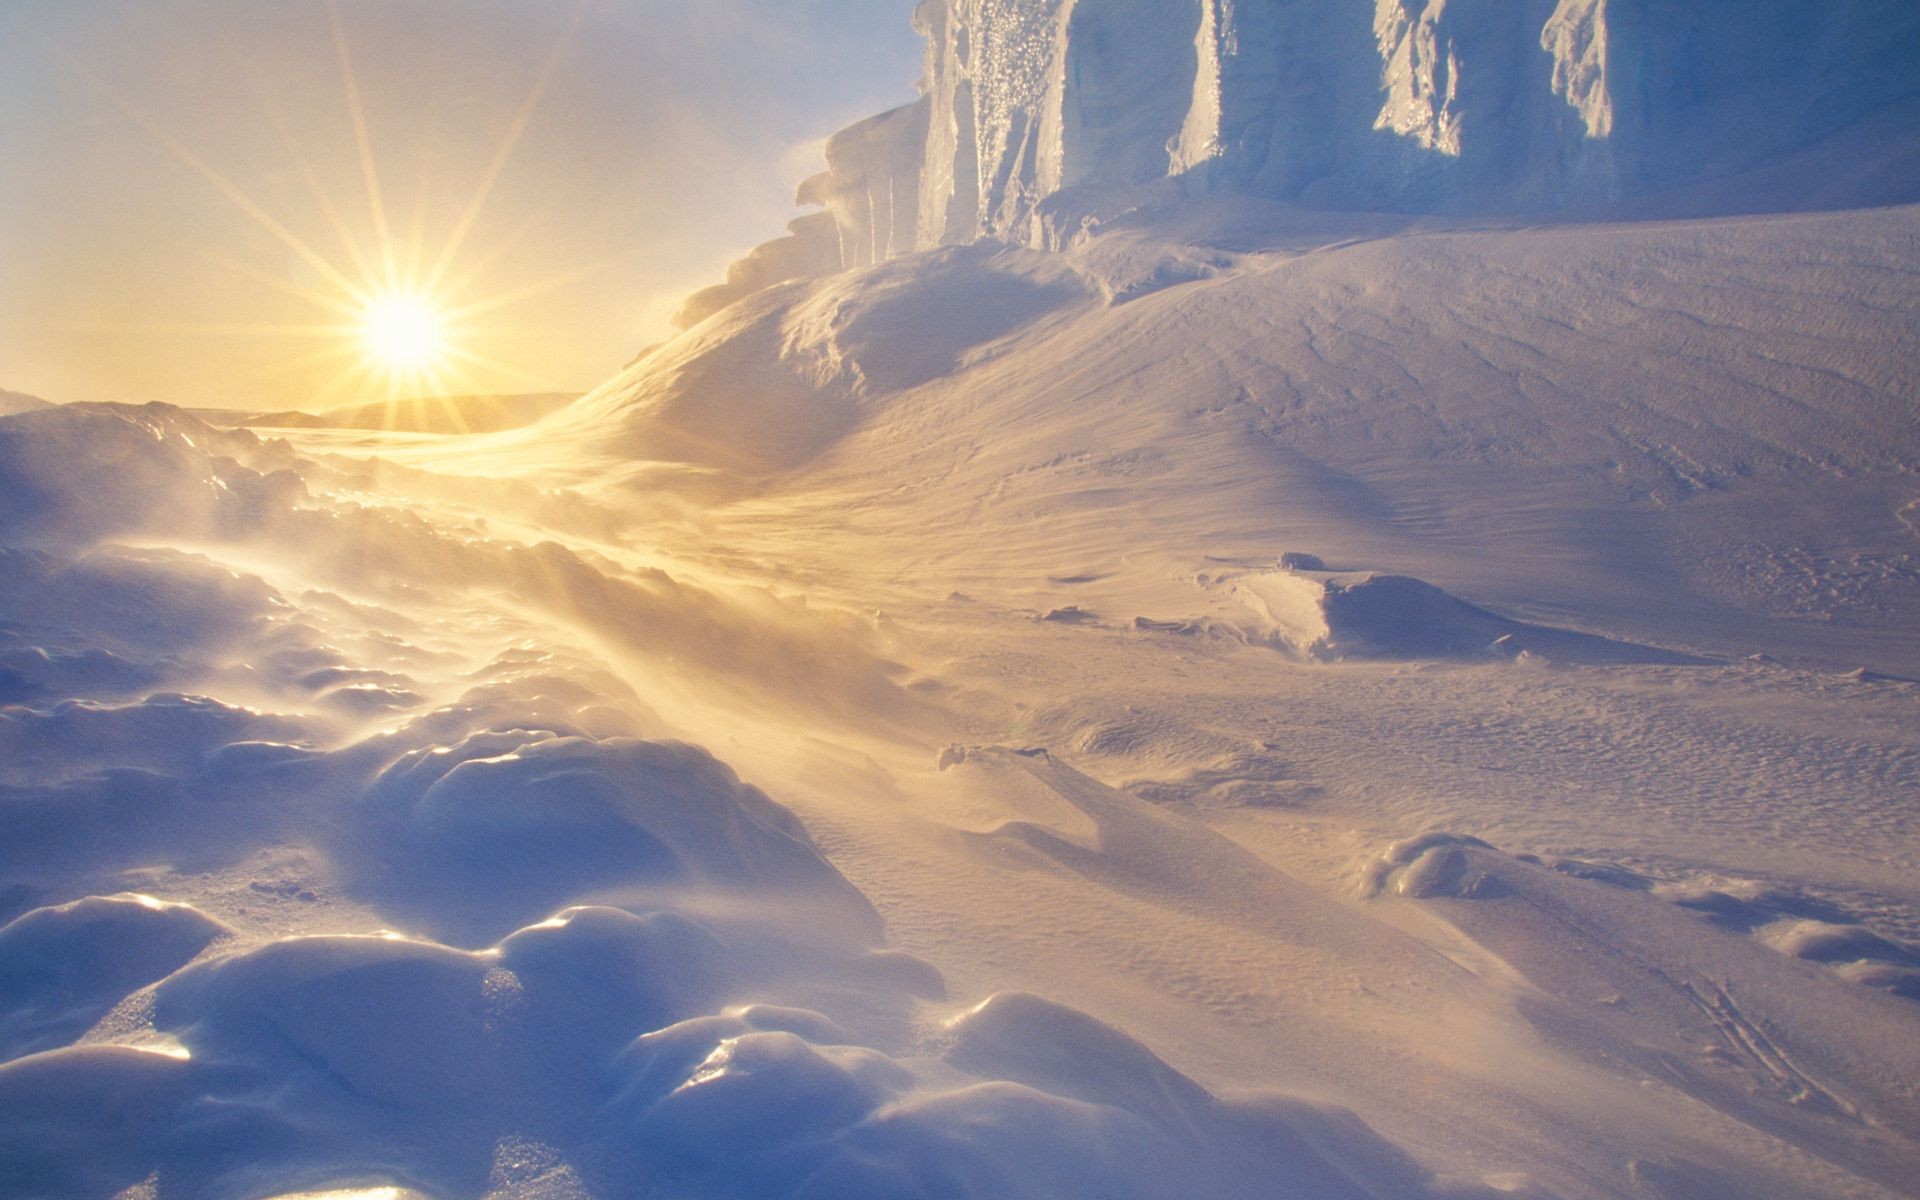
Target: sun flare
400,299
403,332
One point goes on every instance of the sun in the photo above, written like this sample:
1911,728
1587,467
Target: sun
403,332
400,314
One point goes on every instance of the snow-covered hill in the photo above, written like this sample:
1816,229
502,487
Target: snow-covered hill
1696,435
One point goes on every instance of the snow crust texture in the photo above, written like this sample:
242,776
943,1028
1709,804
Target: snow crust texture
1039,119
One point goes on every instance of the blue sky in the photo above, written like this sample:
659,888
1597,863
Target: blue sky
668,140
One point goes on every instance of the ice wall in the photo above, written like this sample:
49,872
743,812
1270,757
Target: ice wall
1037,116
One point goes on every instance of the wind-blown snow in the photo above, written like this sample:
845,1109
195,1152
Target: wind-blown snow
732,1024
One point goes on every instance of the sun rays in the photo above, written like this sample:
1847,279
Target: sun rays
396,304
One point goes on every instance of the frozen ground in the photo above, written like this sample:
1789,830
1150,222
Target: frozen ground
1257,705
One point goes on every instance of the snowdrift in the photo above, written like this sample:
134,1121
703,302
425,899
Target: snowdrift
1329,616
778,381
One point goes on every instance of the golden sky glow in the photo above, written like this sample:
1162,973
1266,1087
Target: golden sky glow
226,204
401,297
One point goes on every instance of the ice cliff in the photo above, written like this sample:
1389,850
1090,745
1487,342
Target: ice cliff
1038,117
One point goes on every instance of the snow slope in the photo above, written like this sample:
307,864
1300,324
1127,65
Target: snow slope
1695,435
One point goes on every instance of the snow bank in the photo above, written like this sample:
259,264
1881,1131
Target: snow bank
461,898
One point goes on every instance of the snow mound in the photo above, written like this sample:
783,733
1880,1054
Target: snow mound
756,1106
770,385
1332,616
89,1120
1819,941
898,326
38,673
1048,1046
166,731
520,824
593,977
608,1036
62,968
1428,867
388,1019
1854,953
759,1102
1708,1005
1789,922
134,609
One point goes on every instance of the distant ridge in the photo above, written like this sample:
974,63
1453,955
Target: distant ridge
19,402
424,414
